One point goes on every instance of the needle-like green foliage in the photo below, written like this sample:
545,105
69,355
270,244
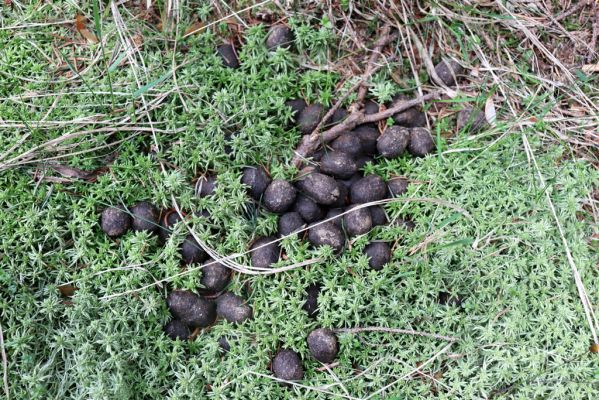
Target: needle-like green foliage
521,326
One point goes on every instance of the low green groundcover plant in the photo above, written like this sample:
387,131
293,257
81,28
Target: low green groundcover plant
483,262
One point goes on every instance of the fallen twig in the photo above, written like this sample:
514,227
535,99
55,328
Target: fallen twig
310,143
386,38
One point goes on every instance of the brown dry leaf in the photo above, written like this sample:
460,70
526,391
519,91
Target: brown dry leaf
81,25
67,290
70,174
194,28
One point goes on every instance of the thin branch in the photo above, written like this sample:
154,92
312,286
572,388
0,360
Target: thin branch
310,143
396,330
386,37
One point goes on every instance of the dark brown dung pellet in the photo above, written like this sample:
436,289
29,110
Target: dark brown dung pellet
228,55
397,186
317,155
421,142
311,304
338,164
224,345
191,252
279,196
169,220
357,222
334,213
115,221
193,310
290,222
449,71
287,365
309,118
371,107
411,118
297,106
378,254
215,276
348,143
362,160
323,345
279,36
322,188
233,308
378,215
405,223
145,217
264,257
349,182
449,299
338,116
367,189
327,234
205,185
176,329
472,118
257,181
308,209
393,142
343,199
368,137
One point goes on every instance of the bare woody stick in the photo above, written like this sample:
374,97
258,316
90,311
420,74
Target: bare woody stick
310,143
